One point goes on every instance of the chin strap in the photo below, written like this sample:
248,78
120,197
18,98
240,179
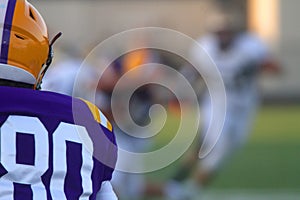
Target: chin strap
47,63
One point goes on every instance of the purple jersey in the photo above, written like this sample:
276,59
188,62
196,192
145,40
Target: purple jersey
52,146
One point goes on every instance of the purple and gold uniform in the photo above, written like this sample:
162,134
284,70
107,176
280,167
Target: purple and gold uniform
52,146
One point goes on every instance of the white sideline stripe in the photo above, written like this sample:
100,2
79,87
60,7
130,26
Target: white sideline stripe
3,9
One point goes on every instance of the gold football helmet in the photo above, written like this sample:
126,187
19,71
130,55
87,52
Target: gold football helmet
25,52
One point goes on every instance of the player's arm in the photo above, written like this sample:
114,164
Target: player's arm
271,65
268,62
106,192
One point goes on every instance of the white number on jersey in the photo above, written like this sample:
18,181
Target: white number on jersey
31,174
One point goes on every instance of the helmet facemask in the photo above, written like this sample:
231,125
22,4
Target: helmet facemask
47,63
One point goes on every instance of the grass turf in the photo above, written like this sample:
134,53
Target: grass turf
270,161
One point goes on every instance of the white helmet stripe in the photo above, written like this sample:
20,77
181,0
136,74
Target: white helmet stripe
3,9
11,4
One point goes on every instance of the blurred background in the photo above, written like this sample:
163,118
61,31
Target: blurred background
86,23
268,166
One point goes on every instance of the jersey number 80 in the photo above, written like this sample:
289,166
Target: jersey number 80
31,174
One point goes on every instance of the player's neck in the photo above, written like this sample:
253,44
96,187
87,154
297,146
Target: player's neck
4,82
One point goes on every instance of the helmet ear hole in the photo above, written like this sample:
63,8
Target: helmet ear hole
19,37
31,14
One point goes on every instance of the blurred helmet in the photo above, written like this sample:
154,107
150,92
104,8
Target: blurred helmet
25,47
221,20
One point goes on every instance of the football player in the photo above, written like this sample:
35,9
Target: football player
239,56
52,146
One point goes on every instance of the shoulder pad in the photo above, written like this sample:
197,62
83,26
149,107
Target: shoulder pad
98,115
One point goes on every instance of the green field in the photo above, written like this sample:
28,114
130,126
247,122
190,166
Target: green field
271,159
268,167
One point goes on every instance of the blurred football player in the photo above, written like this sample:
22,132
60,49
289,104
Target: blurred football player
128,185
52,146
70,75
239,56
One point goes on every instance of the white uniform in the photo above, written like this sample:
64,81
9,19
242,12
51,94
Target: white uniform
239,66
63,76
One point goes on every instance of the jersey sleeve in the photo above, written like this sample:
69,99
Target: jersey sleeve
103,121
98,115
256,49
